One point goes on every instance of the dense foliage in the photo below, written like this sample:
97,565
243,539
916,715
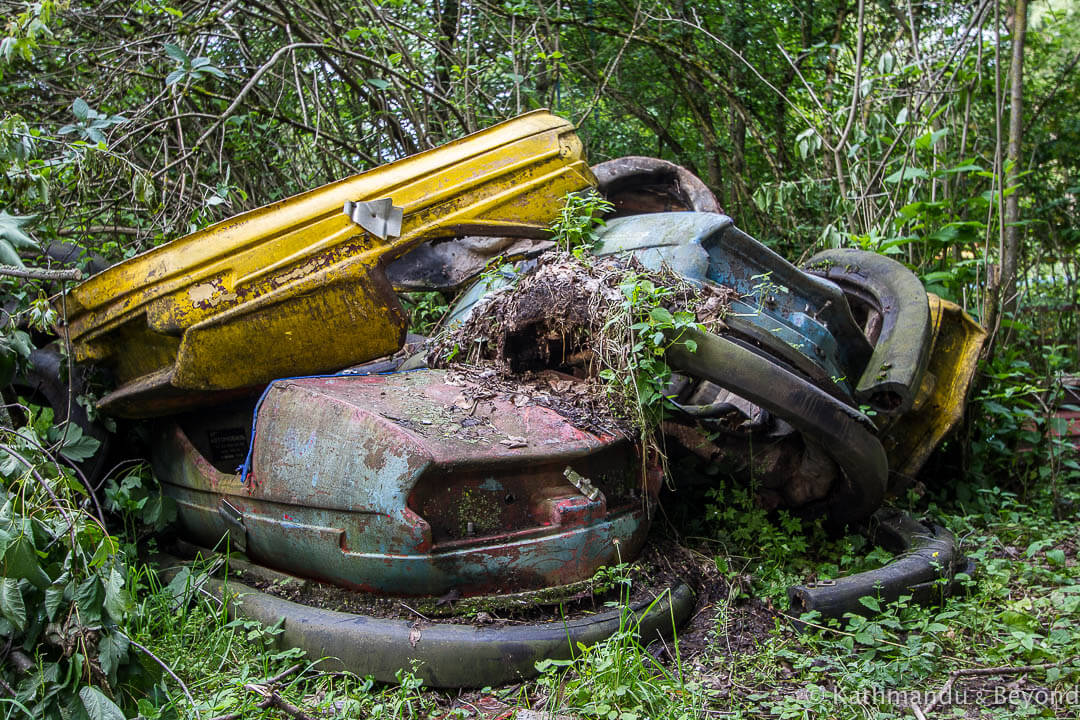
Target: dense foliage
905,128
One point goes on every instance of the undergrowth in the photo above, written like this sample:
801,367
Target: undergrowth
91,627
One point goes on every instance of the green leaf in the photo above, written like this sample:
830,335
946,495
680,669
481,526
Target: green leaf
89,598
77,446
112,650
176,53
12,606
54,599
11,229
1056,557
80,109
98,706
117,603
7,47
21,562
871,603
662,316
378,83
175,76
965,167
8,256
930,139
908,173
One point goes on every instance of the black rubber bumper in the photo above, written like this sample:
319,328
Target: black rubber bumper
902,343
925,569
447,655
844,433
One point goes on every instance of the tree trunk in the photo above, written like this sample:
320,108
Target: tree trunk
1013,233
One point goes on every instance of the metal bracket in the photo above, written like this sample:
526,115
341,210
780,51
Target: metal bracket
583,484
234,521
379,217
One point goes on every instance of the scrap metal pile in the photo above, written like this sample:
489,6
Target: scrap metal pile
255,345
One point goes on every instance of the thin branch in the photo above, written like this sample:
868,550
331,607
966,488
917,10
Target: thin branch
40,273
860,45
48,489
983,671
238,100
99,229
166,668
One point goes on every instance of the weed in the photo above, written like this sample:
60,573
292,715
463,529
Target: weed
425,310
575,228
641,331
619,679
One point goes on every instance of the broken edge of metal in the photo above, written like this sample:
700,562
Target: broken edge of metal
379,217
902,346
446,655
925,569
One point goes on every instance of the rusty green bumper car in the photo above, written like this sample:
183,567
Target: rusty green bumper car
417,485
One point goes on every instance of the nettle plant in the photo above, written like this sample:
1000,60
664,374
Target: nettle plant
581,216
649,330
65,592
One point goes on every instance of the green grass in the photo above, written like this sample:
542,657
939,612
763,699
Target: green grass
1016,514
1020,609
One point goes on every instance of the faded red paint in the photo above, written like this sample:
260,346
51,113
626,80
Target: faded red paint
400,485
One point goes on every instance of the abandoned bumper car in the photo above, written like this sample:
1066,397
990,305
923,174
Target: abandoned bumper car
489,468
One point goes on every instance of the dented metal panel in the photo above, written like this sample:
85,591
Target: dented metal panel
801,319
404,485
939,405
296,287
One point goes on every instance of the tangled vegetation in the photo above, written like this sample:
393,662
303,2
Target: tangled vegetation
606,321
943,134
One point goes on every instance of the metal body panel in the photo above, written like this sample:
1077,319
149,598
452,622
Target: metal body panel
954,356
800,318
399,485
296,285
637,185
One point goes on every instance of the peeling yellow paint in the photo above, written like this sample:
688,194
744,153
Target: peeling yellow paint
300,269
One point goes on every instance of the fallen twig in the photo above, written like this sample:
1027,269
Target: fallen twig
267,700
279,702
983,671
262,705
284,674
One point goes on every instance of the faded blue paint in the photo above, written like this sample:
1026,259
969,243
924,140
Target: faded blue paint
806,314
346,469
